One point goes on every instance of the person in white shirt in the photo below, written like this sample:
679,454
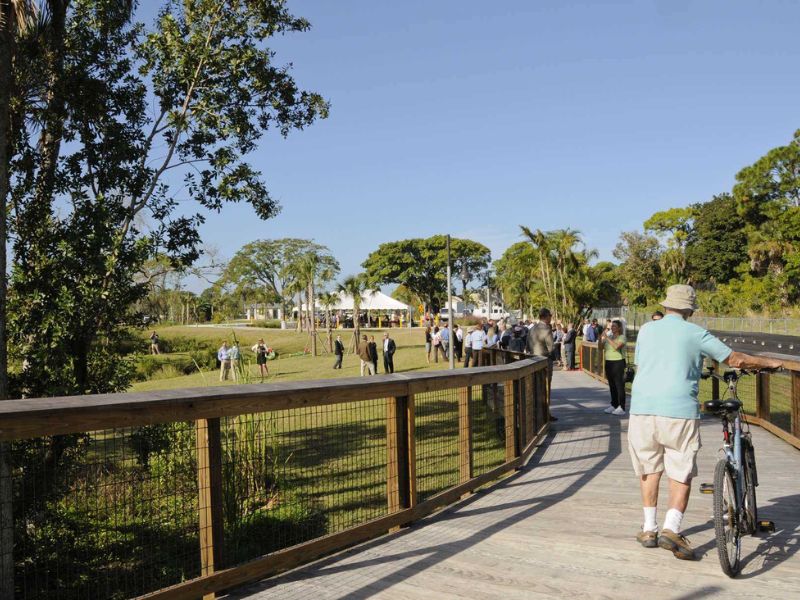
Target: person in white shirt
476,337
224,356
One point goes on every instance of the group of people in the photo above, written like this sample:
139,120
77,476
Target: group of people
368,353
229,357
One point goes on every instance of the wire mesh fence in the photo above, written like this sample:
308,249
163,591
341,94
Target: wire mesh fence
105,514
437,441
123,511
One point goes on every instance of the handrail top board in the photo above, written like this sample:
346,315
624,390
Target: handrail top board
34,417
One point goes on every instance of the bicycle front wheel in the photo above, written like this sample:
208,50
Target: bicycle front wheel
726,519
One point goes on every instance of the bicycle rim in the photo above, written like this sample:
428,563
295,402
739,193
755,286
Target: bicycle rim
726,519
750,482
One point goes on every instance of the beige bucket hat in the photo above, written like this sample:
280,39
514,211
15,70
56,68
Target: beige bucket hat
680,297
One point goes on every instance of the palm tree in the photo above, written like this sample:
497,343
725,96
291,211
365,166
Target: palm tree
315,266
355,286
328,300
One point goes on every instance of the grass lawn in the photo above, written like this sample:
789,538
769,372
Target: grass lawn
410,355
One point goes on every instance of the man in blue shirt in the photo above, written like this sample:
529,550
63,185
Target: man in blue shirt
444,334
664,426
589,332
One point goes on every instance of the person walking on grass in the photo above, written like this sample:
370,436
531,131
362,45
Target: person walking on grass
664,425
224,357
260,350
366,357
338,350
389,348
614,349
373,354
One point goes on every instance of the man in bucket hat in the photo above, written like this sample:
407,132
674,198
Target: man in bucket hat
664,426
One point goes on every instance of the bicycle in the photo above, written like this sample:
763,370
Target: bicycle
735,476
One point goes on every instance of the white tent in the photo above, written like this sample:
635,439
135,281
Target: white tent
369,301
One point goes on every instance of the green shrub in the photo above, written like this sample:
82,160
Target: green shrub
269,324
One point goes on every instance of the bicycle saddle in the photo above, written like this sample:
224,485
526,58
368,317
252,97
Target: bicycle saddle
714,406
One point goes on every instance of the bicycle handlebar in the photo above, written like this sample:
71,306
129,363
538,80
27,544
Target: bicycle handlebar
735,374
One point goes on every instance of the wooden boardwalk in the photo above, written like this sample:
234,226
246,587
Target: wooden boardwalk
563,527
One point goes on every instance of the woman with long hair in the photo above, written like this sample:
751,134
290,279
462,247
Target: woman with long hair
260,350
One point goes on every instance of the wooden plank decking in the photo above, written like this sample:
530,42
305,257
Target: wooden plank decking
563,527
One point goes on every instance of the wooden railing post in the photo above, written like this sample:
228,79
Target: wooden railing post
530,407
465,434
522,436
401,480
796,403
762,396
209,486
511,418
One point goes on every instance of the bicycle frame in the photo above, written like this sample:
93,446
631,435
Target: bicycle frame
734,453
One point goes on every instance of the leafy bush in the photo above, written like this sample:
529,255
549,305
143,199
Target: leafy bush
270,324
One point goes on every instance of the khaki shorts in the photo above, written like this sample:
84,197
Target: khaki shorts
663,443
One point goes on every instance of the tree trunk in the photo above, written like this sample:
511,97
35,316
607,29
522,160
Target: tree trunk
312,317
6,489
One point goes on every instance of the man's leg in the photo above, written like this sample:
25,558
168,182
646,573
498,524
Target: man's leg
363,364
679,495
649,487
649,484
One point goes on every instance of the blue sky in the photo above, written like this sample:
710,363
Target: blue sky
471,118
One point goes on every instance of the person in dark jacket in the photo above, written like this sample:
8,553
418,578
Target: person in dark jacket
373,353
389,348
338,350
569,347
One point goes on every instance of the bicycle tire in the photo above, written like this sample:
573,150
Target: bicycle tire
726,519
750,483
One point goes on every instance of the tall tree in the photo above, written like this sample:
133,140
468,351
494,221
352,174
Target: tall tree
717,244
273,265
421,265
674,224
517,274
315,266
640,271
355,286
470,259
767,195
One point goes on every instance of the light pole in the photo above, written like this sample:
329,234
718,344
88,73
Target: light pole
451,337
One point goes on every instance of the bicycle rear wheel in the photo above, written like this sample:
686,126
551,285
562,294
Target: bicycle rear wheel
726,519
750,483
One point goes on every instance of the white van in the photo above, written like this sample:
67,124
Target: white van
496,313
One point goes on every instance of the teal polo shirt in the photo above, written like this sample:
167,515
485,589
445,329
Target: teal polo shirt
669,362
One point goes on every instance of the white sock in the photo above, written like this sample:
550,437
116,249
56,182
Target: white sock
673,520
650,522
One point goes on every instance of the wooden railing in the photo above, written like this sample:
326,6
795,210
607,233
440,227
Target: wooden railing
227,462
771,400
